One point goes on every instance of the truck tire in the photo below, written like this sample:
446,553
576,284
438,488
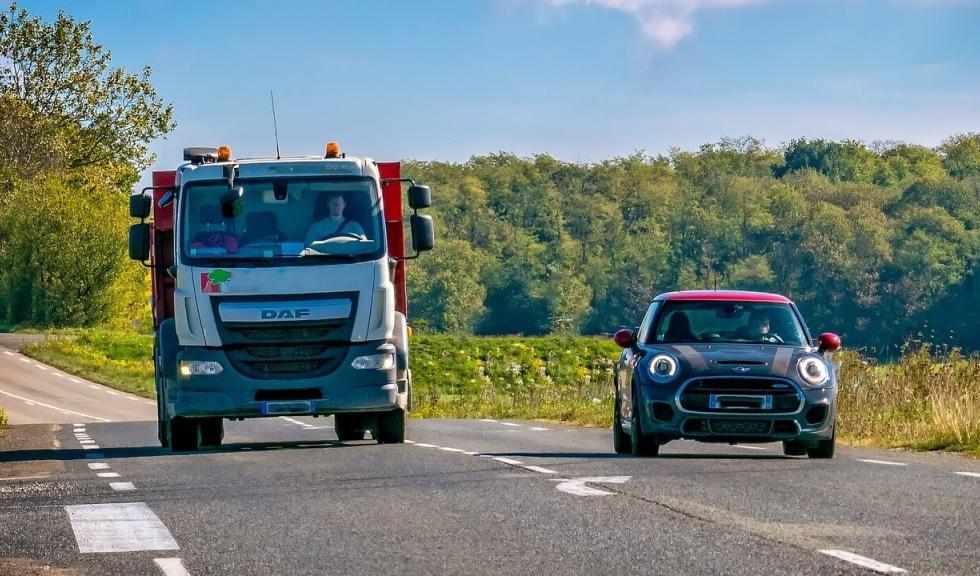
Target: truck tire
391,427
212,431
161,401
349,427
184,434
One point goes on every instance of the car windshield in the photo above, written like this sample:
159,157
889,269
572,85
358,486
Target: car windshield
743,322
282,219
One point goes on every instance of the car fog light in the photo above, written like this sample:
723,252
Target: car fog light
374,362
197,368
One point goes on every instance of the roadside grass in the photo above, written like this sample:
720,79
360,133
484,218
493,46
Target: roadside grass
3,422
927,400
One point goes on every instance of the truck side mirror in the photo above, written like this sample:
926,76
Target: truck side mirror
139,242
419,197
139,206
423,233
231,202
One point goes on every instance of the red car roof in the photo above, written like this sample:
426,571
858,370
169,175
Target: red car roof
724,296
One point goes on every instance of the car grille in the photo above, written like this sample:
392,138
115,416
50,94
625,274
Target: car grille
739,427
740,395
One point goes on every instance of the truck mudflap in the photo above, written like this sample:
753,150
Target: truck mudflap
230,394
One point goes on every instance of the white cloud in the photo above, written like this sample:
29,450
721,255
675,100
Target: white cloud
666,22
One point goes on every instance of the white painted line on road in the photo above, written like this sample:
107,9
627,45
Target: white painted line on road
133,398
487,420
746,447
124,527
472,453
868,563
122,486
55,407
447,449
972,474
90,447
108,474
537,429
171,567
82,425
294,421
29,403
424,445
577,486
93,386
8,353
885,462
95,455
113,392
40,367
26,477
540,470
98,466
58,374
510,461
75,380
87,441
409,441
512,424
28,360
151,402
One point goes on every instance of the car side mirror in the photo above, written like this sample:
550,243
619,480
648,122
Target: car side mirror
419,197
139,242
423,232
625,338
139,206
828,342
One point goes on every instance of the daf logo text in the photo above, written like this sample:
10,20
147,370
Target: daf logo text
291,313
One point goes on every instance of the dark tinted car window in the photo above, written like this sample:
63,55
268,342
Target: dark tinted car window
745,322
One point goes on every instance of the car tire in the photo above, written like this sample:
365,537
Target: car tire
641,445
621,440
824,449
391,427
349,427
794,448
184,434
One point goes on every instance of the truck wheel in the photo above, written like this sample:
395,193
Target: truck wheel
212,431
621,440
793,448
348,427
161,401
185,434
640,444
391,427
824,449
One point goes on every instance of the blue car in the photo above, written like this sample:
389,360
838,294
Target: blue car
725,366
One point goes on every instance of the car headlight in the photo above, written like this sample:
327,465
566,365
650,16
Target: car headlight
813,370
190,368
663,368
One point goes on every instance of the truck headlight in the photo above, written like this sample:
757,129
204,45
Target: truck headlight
663,368
813,370
190,368
374,362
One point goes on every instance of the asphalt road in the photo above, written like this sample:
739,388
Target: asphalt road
282,496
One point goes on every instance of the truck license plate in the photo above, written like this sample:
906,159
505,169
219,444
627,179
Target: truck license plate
290,407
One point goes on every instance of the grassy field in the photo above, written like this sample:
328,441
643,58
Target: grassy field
928,399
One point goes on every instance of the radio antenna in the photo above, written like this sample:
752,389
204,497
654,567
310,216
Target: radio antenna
274,123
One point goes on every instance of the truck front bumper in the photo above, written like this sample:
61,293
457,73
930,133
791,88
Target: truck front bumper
231,394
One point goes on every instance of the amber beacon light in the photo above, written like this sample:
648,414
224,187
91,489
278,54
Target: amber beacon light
333,150
224,153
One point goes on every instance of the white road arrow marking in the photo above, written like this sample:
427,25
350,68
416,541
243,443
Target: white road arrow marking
577,486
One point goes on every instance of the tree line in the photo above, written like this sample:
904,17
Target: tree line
879,243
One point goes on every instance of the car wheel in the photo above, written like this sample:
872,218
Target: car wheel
621,440
824,449
640,444
794,448
349,427
391,427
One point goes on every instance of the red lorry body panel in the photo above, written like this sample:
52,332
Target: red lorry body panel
394,228
162,249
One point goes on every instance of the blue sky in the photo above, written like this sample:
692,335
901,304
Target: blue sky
583,80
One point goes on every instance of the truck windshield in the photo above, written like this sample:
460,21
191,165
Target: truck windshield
282,219
743,322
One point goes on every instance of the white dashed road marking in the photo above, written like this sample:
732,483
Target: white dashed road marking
510,461
171,567
868,563
511,424
884,462
122,486
540,470
124,527
8,352
972,474
58,374
108,474
75,380
98,466
27,360
537,429
40,367
62,410
90,446
747,447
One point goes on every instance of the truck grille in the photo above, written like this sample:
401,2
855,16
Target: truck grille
287,350
740,396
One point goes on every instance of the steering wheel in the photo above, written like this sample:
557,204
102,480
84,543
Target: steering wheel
353,235
772,337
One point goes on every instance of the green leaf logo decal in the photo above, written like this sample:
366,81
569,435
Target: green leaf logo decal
219,276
